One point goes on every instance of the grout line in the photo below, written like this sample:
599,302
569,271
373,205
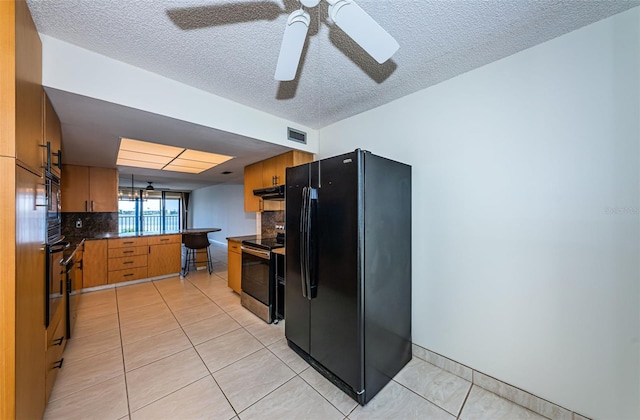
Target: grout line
465,401
124,366
196,350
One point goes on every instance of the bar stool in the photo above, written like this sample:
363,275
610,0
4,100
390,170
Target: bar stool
193,242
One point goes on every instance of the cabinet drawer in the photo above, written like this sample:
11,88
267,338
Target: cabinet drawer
127,242
234,246
127,275
127,262
128,252
165,239
55,346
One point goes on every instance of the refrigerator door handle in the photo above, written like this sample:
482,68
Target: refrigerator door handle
312,194
303,246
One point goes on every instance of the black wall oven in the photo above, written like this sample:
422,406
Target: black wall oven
54,279
54,210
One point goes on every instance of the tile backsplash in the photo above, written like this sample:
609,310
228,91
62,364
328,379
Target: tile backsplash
269,221
92,225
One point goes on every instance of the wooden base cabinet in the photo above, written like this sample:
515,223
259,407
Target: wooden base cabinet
94,263
164,255
56,342
234,265
127,259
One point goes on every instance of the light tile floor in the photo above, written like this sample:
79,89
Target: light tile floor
184,348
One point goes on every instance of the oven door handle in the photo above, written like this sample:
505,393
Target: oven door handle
59,247
261,254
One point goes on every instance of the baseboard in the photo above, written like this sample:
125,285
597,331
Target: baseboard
508,392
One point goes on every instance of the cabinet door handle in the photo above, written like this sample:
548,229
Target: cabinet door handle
129,242
128,262
92,205
86,205
58,364
127,252
165,239
128,275
59,162
58,341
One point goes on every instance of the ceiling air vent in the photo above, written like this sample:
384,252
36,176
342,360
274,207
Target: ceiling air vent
296,135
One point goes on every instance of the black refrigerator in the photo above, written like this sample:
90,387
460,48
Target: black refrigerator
348,269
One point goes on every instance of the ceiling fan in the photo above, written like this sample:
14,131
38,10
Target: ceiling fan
349,17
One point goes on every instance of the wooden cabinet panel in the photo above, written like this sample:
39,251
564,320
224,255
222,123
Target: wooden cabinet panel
128,251
94,263
234,266
164,259
28,91
128,274
268,173
103,190
56,342
122,263
74,188
52,136
165,239
89,189
127,243
77,271
252,181
30,333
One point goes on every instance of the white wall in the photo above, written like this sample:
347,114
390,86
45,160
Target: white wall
520,269
77,70
221,206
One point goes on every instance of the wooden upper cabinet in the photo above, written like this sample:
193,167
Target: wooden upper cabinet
269,170
268,173
252,181
52,137
28,91
89,189
103,189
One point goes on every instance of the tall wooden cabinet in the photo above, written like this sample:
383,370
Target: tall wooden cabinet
52,137
89,189
268,173
22,206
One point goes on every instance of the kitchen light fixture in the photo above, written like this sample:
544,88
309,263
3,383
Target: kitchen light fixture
150,187
142,154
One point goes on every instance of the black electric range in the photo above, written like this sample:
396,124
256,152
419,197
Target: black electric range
260,289
266,244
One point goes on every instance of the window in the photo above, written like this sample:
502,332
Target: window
149,211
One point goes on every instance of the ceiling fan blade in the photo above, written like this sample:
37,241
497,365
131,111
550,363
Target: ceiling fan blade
295,34
361,27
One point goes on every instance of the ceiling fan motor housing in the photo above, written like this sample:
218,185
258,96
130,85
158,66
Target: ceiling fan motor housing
310,3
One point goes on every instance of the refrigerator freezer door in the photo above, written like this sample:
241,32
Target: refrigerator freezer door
336,312
296,305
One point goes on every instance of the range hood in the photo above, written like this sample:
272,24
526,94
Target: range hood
271,193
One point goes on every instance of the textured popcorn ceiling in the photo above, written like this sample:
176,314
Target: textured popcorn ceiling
230,48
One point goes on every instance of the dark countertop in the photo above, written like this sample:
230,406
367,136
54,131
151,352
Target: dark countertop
145,234
243,238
